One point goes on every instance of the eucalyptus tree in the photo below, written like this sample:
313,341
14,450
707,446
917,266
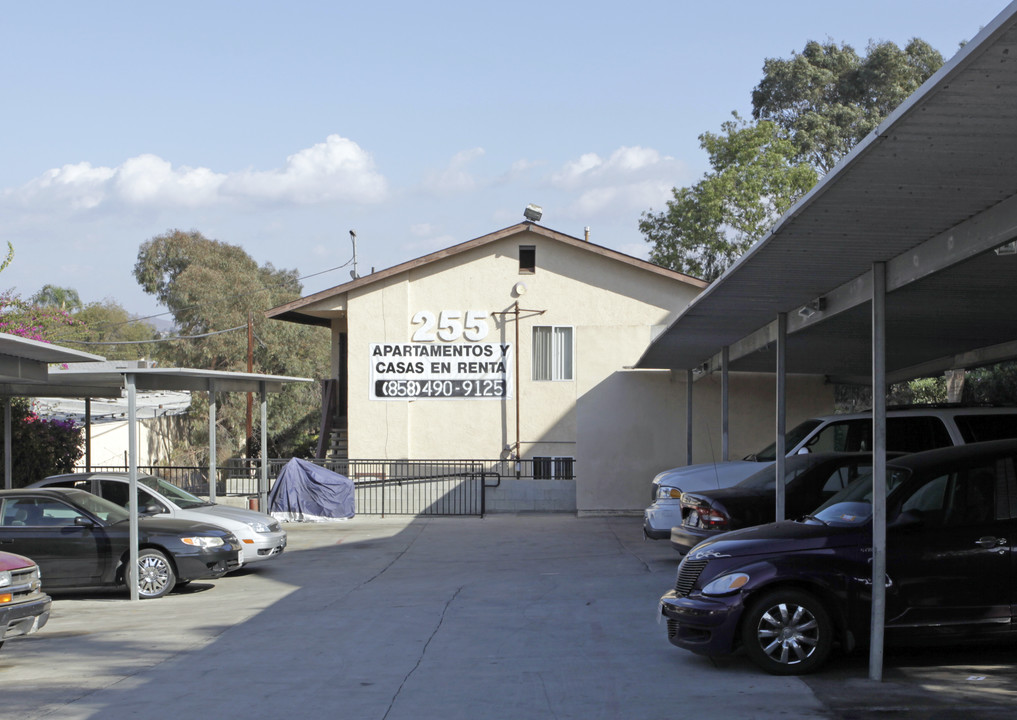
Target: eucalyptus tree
808,112
211,288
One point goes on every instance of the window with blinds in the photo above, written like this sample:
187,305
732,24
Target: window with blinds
554,468
552,352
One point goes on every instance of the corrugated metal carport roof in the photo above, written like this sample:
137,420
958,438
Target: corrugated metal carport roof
930,192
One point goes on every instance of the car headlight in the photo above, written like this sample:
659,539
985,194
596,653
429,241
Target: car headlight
259,527
666,492
5,578
726,584
203,541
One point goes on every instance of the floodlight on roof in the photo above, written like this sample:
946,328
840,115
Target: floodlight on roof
533,212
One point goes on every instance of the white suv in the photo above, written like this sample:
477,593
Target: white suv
908,430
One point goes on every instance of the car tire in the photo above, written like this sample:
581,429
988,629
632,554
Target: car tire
156,576
787,632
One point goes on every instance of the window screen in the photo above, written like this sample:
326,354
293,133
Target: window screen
552,353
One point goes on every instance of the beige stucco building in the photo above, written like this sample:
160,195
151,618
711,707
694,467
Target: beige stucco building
516,345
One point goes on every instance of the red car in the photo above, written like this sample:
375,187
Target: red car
24,607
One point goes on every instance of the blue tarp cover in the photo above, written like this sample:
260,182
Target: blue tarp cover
305,492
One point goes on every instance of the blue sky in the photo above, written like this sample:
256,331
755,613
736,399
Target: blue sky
280,126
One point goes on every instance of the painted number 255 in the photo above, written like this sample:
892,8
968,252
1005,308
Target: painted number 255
450,326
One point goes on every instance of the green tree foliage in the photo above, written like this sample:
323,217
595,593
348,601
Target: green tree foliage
57,297
40,447
827,98
211,287
106,328
753,181
808,111
10,256
992,384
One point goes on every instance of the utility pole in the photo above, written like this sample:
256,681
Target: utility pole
250,369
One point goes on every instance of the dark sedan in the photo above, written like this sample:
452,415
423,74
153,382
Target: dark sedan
789,592
809,481
80,540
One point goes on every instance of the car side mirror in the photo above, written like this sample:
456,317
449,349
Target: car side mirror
151,510
82,521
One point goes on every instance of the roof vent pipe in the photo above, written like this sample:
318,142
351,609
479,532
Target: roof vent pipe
587,232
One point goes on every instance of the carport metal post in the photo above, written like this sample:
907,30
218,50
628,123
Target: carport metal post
211,441
7,443
688,416
724,392
781,446
263,480
878,470
132,475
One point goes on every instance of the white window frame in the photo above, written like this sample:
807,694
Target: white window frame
559,354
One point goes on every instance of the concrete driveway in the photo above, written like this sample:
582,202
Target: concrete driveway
503,617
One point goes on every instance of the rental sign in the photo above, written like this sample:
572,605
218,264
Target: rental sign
438,364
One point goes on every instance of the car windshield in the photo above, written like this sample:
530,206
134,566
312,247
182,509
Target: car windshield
853,504
791,439
180,497
102,509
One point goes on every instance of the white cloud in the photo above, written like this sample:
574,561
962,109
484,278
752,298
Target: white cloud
630,179
591,168
80,186
455,178
335,170
635,196
150,180
577,170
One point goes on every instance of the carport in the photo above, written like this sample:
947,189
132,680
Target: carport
25,362
88,380
900,263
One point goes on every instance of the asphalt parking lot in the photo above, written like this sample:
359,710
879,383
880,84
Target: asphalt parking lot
529,616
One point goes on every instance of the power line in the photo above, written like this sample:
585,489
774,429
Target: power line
156,340
190,307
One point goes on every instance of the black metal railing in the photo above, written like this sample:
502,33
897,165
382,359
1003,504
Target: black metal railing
382,487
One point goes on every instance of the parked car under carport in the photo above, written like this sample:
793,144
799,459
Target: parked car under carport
789,592
81,541
261,536
809,481
24,607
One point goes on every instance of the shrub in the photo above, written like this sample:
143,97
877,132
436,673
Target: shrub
40,447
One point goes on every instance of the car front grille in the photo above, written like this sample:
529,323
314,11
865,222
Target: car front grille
25,583
688,573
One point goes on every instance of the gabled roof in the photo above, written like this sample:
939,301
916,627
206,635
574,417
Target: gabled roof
295,311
